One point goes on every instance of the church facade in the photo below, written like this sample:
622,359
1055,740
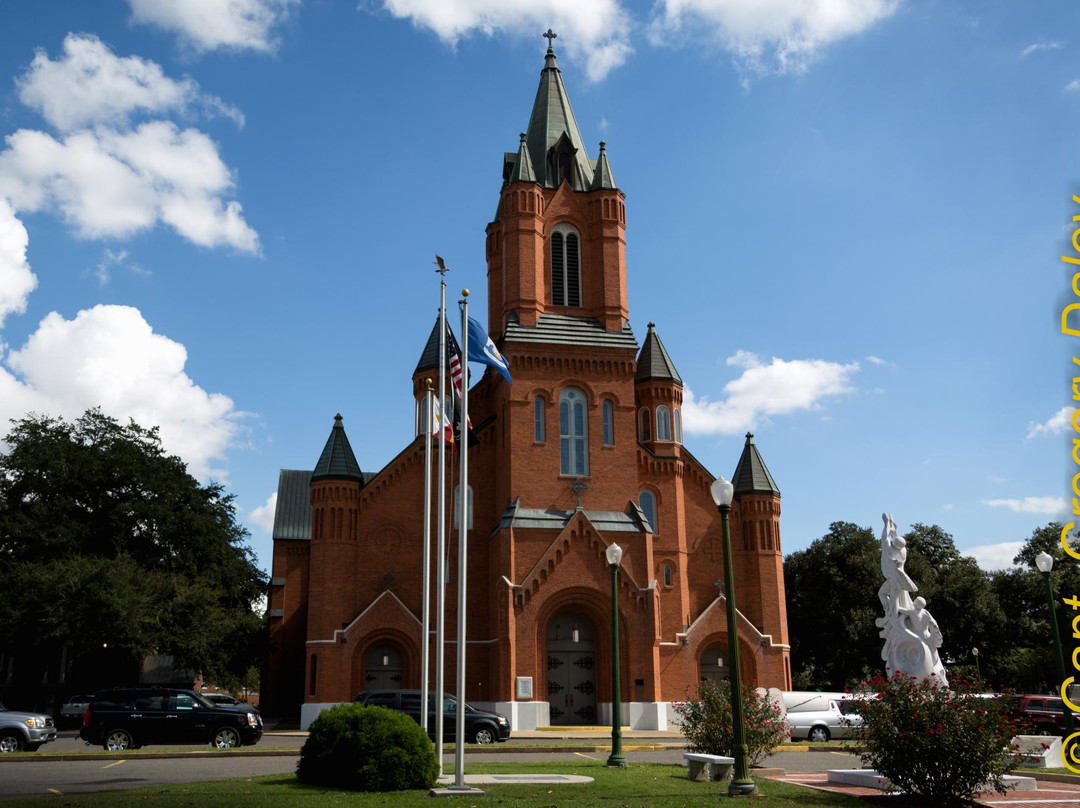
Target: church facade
583,449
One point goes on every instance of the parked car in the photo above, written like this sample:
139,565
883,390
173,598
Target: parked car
838,720
71,713
1041,715
130,717
225,700
481,726
29,731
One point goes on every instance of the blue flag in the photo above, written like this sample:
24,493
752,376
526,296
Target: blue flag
483,350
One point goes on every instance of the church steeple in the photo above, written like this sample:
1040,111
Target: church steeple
552,140
337,460
556,250
751,475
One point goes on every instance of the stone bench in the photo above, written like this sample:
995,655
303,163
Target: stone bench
707,767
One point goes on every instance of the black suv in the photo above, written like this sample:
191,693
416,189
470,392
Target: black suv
480,725
130,717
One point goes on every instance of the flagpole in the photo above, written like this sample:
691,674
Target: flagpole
463,541
440,563
425,628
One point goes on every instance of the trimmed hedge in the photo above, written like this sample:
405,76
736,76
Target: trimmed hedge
367,749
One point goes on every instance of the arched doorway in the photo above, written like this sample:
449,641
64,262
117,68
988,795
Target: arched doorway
714,664
571,669
382,668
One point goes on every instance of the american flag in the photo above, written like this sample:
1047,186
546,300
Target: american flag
454,353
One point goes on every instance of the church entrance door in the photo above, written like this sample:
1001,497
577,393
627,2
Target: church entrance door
382,668
571,669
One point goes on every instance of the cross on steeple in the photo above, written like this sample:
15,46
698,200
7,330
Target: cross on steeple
550,36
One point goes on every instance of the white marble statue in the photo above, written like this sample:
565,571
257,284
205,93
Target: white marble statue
912,635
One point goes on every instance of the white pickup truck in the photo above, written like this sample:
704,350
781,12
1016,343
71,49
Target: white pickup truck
838,720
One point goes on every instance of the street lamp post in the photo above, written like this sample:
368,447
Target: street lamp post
616,758
1045,562
978,672
741,784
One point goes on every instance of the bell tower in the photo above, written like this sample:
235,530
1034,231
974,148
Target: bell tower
558,242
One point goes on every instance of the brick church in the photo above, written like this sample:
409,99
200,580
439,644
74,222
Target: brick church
584,448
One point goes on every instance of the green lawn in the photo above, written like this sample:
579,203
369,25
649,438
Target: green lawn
639,786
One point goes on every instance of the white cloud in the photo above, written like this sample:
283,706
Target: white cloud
90,85
763,390
1072,86
995,556
211,24
1055,425
113,184
997,480
1035,47
17,281
109,259
1043,505
263,516
596,33
768,36
109,356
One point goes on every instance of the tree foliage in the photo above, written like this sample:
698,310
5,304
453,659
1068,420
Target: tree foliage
109,541
832,603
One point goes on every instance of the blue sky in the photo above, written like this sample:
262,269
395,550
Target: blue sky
844,218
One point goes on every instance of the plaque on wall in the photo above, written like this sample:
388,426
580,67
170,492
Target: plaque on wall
524,687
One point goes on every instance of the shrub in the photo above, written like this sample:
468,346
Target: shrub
707,726
943,744
367,749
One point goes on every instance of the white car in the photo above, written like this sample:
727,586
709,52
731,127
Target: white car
19,731
838,720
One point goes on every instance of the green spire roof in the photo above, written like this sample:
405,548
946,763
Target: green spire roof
653,363
522,170
553,133
751,475
429,357
337,460
602,177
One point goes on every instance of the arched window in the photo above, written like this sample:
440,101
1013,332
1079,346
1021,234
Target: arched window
647,500
663,423
573,433
539,415
644,425
565,266
678,426
609,422
457,508
669,575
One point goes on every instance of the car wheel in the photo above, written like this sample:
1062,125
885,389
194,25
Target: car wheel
819,734
10,741
118,740
226,738
483,735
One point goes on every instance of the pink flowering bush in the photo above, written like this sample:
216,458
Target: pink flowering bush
944,743
706,721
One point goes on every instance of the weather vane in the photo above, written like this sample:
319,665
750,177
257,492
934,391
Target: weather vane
443,268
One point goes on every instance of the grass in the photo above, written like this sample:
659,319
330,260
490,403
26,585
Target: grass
639,786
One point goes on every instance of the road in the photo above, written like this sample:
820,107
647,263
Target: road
32,775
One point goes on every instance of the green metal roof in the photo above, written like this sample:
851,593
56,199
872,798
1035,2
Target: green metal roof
562,329
552,130
602,177
429,357
292,516
522,170
520,518
337,460
653,362
751,475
